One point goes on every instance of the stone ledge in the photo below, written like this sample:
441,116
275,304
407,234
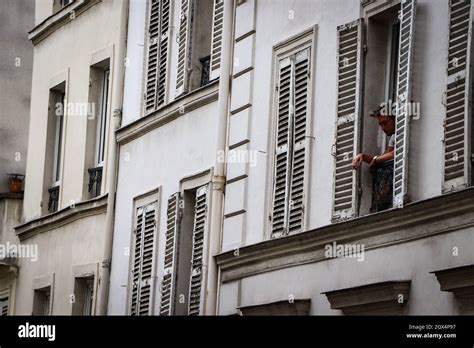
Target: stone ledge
295,307
372,299
423,219
168,113
62,217
59,19
459,281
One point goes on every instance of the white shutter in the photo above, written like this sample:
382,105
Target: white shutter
172,235
136,266
282,162
195,286
299,115
349,58
157,55
184,46
402,134
216,44
143,260
457,164
290,148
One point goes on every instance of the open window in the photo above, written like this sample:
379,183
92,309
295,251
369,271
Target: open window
97,126
83,296
54,147
58,5
199,40
182,285
42,301
386,36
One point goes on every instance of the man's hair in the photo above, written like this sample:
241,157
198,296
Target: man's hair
381,111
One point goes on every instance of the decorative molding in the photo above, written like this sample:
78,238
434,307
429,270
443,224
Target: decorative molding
459,281
59,19
285,307
168,113
418,220
62,217
386,298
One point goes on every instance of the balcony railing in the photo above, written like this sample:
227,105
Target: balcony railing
53,199
205,70
95,181
382,187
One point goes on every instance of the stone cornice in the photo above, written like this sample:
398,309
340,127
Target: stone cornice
285,307
58,19
62,217
422,219
378,298
168,113
459,281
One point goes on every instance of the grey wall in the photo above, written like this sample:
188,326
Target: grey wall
16,61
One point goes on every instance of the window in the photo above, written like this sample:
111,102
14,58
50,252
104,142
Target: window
142,257
59,4
42,301
54,147
158,46
291,114
83,296
387,76
199,40
96,145
458,125
184,253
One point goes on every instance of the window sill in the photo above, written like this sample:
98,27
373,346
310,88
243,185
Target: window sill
59,19
169,112
61,217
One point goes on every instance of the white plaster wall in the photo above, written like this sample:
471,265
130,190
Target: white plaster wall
409,261
59,250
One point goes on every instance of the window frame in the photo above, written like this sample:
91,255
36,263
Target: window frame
102,124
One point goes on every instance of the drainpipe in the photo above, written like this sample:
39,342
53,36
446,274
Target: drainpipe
112,164
218,180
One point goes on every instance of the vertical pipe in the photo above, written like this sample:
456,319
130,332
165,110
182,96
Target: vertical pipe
218,180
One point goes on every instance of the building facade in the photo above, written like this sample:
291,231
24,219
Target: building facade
76,99
303,233
304,76
194,157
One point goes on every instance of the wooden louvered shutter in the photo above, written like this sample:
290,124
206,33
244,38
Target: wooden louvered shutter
172,237
216,44
157,55
457,164
349,53
136,266
282,163
298,115
402,127
290,147
184,46
195,286
143,260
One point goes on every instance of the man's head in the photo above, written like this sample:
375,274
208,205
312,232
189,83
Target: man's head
385,120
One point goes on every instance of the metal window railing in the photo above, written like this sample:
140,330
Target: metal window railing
53,199
382,187
95,181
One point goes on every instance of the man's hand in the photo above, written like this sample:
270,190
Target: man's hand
357,161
